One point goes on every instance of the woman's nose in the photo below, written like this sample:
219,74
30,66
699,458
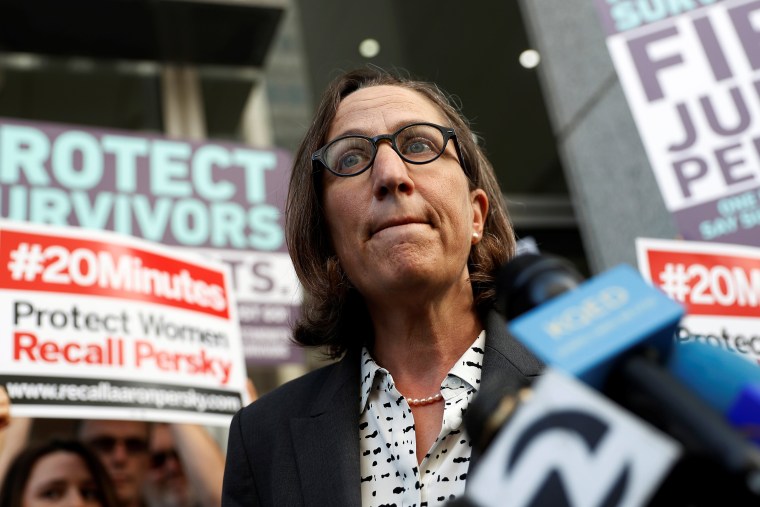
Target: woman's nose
74,498
390,174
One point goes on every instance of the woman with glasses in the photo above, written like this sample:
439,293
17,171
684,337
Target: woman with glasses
396,227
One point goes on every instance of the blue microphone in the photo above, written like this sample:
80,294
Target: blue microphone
584,331
727,382
745,412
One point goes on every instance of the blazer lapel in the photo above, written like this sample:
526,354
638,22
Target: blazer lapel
506,360
506,363
329,437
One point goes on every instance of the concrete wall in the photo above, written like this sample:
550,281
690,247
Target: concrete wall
612,187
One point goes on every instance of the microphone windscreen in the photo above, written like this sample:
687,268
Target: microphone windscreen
529,280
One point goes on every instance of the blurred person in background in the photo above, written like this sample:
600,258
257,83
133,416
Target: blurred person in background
57,474
397,227
149,464
153,464
122,447
186,467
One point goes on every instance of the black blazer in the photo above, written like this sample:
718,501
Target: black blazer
299,445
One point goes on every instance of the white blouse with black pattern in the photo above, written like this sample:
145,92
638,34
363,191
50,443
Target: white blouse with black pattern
389,471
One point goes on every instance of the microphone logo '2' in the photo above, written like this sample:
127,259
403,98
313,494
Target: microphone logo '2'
590,430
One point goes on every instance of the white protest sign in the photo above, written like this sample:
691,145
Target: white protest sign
97,324
689,70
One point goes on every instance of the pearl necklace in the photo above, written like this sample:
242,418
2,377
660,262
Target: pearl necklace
419,402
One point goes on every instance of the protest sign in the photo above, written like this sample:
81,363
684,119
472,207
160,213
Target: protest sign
689,70
719,284
224,199
103,325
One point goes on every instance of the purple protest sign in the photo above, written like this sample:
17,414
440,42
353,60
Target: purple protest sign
219,198
688,70
622,15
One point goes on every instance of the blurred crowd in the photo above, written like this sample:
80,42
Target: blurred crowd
110,463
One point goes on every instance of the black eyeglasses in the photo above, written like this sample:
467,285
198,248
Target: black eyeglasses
159,458
418,143
106,445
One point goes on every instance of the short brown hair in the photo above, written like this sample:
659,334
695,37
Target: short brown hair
333,312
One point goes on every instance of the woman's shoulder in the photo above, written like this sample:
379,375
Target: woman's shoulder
294,398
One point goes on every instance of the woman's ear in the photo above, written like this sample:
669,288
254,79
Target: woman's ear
479,201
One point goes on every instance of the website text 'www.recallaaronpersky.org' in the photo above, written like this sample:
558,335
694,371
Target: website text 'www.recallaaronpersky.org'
112,393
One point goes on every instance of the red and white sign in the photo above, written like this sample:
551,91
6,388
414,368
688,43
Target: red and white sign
718,283
97,324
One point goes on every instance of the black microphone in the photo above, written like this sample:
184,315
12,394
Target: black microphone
530,280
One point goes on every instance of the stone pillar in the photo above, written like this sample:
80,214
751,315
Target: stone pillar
612,187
